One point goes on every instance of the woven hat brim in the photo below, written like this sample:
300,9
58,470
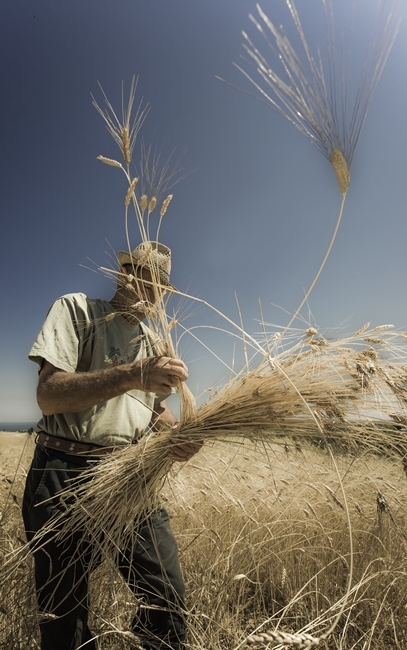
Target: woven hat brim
124,257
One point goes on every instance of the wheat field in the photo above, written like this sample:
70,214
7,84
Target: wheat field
264,545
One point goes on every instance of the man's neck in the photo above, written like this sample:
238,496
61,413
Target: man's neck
122,305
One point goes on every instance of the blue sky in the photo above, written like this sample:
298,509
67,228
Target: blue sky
254,215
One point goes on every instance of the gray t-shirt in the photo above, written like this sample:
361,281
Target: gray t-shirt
81,334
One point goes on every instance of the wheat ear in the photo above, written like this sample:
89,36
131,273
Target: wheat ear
143,202
130,191
126,145
109,161
341,169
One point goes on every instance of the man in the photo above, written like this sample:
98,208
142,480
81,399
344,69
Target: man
101,386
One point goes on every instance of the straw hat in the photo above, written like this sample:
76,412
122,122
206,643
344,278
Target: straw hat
150,255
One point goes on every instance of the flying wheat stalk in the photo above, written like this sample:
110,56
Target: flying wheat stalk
312,91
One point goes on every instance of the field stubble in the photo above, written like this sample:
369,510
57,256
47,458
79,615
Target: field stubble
264,544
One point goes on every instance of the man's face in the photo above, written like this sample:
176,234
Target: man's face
143,285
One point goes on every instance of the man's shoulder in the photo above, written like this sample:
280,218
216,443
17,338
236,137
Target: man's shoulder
76,296
79,308
81,300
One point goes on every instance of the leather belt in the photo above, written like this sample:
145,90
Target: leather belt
72,446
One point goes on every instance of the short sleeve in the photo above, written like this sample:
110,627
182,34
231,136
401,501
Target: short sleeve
63,333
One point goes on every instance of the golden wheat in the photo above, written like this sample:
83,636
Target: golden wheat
126,145
143,202
313,94
341,168
380,328
248,549
124,133
165,205
130,191
109,161
152,204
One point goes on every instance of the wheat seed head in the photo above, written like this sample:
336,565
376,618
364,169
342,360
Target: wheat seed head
152,204
109,161
341,169
125,130
126,145
165,205
310,87
143,202
130,191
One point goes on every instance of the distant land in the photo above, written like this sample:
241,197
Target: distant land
17,426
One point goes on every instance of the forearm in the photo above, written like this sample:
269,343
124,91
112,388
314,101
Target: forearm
69,392
64,392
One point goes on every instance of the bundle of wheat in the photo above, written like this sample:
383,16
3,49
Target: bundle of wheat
344,392
304,86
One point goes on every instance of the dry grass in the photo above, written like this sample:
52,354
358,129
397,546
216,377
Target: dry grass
264,545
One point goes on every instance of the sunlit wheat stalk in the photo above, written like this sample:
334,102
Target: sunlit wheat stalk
126,130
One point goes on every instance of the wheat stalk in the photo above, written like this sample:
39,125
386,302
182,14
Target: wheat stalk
152,204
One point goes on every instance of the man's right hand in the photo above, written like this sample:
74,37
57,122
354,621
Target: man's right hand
159,374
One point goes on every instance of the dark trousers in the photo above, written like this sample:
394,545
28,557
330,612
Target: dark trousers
150,565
